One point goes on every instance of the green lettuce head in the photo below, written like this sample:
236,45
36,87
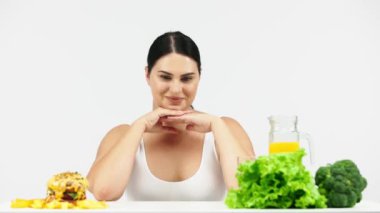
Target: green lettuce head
275,181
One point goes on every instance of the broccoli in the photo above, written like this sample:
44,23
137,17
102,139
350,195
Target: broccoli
341,183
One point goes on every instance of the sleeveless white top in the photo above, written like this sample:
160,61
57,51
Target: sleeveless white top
206,184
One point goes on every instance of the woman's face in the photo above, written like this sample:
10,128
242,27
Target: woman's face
174,81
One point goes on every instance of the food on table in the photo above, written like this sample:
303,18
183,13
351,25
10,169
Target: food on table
275,181
341,183
67,186
65,191
55,204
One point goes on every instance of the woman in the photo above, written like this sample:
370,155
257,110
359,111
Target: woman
173,152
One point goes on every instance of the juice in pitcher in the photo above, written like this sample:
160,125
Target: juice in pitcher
283,135
282,147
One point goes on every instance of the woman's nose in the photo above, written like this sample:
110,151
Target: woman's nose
176,87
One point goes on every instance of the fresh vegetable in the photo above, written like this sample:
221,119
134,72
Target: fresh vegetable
341,183
275,181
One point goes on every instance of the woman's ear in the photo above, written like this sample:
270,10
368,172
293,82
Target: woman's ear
147,76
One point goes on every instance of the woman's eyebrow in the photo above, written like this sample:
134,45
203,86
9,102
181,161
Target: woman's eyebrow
188,74
168,73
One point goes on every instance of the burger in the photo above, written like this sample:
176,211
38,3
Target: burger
67,186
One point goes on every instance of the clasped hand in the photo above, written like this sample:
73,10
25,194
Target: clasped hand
176,120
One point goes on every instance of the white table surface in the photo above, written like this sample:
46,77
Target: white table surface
189,207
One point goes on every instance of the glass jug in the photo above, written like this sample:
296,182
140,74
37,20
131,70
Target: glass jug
284,136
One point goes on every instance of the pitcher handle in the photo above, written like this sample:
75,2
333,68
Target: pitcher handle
310,146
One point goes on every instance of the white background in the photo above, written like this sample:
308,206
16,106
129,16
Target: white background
72,70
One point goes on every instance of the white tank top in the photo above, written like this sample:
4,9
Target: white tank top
206,184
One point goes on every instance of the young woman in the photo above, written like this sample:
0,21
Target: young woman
173,152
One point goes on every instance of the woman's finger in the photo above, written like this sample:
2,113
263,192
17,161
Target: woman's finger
166,112
169,129
167,122
160,126
179,119
189,111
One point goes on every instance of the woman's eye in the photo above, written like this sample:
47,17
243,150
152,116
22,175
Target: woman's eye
165,77
186,79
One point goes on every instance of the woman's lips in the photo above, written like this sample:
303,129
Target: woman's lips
175,100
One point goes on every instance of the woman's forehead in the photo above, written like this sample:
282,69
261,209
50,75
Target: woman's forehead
175,63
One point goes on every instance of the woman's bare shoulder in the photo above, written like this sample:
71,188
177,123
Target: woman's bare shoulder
239,133
115,133
231,122
235,127
111,138
119,129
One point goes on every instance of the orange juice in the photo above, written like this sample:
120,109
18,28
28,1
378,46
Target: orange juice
280,147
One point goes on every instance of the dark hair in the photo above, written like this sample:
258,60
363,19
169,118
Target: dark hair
173,42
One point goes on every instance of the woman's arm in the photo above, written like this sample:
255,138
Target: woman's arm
231,142
109,174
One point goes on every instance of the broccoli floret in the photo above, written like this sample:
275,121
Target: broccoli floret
341,183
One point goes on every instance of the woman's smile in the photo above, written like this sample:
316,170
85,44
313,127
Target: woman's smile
175,100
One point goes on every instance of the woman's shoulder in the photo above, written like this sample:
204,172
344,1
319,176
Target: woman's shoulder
111,138
230,121
238,132
233,124
118,130
120,127
115,133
